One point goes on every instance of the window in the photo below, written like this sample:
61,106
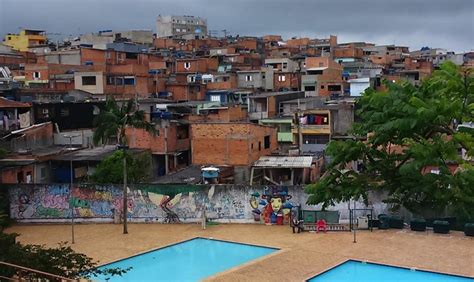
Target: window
129,81
107,55
251,146
310,88
266,142
263,76
187,65
119,81
36,75
131,55
88,80
334,87
9,37
248,78
322,86
215,98
178,30
259,146
110,80
285,127
281,78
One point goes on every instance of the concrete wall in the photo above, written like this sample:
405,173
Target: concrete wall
98,88
81,137
256,80
223,203
72,57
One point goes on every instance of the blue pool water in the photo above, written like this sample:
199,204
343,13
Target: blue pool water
191,260
355,271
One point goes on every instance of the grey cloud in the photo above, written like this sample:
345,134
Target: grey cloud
415,23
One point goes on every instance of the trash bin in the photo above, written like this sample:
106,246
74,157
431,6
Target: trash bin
362,222
441,226
384,222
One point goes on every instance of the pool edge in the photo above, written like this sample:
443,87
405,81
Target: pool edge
388,265
246,264
184,241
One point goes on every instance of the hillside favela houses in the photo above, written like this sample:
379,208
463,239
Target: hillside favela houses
328,156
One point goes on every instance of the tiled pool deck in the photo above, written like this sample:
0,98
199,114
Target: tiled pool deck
301,255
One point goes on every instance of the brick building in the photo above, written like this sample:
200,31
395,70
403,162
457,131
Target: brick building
231,143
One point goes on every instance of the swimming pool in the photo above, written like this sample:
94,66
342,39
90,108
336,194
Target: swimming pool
356,271
191,260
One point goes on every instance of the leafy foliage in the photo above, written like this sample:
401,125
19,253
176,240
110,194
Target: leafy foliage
61,261
409,129
110,170
116,118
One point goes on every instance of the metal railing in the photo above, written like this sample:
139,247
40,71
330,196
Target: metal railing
22,272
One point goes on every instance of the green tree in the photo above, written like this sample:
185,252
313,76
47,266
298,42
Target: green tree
113,122
110,169
62,261
408,129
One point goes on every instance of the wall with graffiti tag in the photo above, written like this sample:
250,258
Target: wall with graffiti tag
154,203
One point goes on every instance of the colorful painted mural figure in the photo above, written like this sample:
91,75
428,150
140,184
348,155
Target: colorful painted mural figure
166,204
276,205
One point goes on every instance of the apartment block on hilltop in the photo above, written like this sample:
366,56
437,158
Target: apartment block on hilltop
185,27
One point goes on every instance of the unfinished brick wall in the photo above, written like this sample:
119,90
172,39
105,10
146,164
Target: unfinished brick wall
139,138
230,143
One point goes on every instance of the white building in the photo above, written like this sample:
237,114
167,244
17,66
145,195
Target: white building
359,85
185,27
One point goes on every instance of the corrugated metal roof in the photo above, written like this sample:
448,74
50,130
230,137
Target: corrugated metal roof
284,162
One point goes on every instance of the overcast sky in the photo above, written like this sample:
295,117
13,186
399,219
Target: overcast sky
414,23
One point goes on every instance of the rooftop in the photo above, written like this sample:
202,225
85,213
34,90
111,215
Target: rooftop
188,175
5,103
94,154
271,94
284,162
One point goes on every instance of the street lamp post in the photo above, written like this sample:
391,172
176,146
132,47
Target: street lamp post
71,200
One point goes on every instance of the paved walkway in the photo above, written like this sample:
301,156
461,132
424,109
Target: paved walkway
301,256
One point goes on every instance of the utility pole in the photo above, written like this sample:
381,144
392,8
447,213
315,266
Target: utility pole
354,225
71,198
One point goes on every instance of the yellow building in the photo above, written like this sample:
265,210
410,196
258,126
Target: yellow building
26,38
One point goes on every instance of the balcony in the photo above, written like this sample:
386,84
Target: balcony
314,129
285,137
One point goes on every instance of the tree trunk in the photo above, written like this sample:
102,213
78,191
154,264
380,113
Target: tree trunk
125,206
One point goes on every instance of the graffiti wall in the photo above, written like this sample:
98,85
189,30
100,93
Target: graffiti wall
156,203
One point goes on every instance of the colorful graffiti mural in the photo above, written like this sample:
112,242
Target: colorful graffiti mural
158,203
273,206
54,202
